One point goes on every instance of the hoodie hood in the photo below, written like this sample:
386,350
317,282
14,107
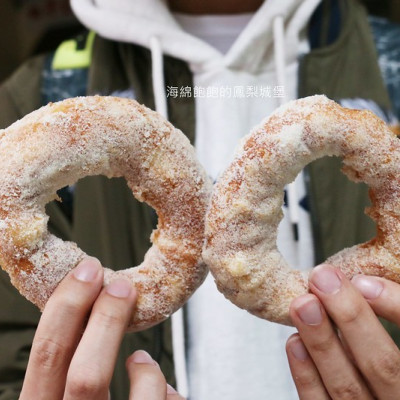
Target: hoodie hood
138,21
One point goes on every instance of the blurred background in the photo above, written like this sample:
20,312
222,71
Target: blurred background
29,27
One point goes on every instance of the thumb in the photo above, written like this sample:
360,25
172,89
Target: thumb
147,379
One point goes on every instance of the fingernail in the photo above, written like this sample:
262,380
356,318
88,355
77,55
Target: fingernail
298,349
87,270
171,390
369,287
326,279
142,357
310,312
119,288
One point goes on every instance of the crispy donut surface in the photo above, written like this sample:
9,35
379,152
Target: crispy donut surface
63,142
246,205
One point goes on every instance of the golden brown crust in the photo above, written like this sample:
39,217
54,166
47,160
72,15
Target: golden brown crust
62,142
245,210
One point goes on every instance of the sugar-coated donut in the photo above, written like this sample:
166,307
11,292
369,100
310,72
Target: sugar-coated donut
242,220
63,142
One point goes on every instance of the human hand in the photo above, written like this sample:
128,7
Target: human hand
341,350
76,344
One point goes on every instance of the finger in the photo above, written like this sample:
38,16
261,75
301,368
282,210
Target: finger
305,375
382,295
93,363
59,331
361,329
147,380
172,394
340,377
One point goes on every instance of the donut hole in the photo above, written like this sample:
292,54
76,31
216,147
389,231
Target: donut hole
338,197
65,200
103,217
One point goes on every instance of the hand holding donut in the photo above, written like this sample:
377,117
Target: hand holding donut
78,338
362,361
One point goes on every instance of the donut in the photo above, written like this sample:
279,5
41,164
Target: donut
62,142
246,205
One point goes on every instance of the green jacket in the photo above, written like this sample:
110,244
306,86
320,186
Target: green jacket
109,223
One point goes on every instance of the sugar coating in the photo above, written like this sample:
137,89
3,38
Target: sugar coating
246,205
63,142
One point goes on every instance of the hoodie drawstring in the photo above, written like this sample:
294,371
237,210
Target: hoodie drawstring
157,65
179,353
279,52
280,70
177,321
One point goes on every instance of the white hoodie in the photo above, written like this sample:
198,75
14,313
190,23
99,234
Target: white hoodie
231,354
